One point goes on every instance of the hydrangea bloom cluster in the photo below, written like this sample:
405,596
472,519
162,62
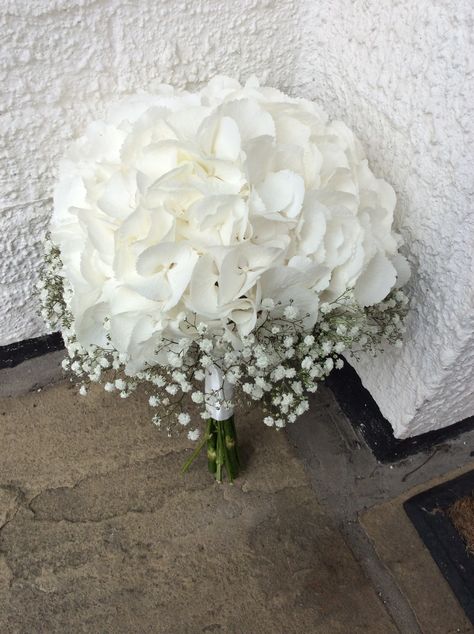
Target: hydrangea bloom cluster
233,230
202,205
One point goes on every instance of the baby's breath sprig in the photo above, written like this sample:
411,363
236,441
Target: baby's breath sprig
279,364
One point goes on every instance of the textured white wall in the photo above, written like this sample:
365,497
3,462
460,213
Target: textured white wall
62,61
399,72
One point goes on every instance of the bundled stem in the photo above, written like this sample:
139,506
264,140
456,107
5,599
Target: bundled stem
222,454
222,448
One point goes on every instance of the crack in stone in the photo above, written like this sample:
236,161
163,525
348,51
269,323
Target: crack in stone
19,501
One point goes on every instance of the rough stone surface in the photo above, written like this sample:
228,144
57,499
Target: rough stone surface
99,532
365,500
412,565
400,73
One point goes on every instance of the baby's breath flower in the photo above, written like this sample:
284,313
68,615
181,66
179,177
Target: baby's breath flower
184,418
290,312
268,304
193,434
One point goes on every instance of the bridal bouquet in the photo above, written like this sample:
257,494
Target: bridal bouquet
221,246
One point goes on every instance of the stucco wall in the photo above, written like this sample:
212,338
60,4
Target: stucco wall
62,61
399,72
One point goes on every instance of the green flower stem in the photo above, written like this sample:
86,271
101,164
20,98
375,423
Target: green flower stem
211,447
221,443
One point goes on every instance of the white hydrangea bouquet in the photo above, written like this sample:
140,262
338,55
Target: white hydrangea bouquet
222,245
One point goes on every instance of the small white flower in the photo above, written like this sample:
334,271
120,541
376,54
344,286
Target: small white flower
269,421
326,347
197,397
288,342
278,373
302,408
205,361
65,363
290,373
172,389
256,393
325,308
307,363
83,390
268,304
154,401
279,423
184,418
120,384
309,340
290,312
193,434
206,345
175,360
339,347
339,364
201,328
109,387
199,375
328,364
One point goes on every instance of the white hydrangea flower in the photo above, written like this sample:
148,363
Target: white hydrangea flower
207,207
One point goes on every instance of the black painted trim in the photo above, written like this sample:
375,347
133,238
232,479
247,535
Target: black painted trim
365,416
16,353
426,511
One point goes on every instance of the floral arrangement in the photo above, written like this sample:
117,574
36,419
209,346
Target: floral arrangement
222,245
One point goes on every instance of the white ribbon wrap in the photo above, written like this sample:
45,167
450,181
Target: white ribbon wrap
221,390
